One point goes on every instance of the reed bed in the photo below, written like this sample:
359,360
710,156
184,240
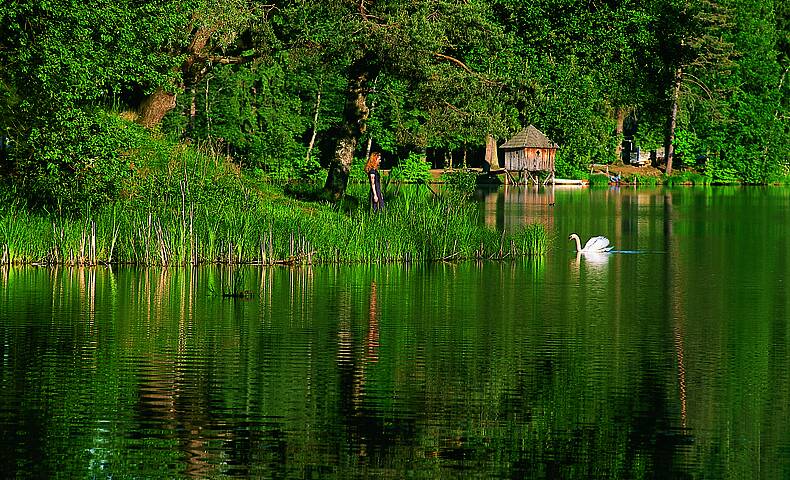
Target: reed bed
192,222
687,178
599,180
643,180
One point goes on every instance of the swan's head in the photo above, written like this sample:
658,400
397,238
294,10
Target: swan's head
572,236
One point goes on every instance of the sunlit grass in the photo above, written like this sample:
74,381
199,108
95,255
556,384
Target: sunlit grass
198,211
640,180
599,180
687,178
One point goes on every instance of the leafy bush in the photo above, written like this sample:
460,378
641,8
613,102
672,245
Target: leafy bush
599,180
687,146
460,182
646,180
255,115
79,156
414,169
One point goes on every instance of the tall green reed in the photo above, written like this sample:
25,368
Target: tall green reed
199,210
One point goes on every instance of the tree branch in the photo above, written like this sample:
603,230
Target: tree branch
696,81
456,109
456,61
465,67
224,60
363,10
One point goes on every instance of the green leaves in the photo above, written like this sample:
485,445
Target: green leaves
413,169
269,83
81,156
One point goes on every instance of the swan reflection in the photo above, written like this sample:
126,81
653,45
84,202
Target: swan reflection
595,264
593,259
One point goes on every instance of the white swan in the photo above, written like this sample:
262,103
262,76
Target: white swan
594,245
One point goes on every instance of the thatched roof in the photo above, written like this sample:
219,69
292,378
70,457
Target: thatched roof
530,137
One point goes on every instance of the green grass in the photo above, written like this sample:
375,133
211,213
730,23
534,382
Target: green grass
785,180
640,180
687,178
197,209
599,180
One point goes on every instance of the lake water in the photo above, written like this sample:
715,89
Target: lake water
666,359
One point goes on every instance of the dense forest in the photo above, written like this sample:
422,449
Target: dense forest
297,89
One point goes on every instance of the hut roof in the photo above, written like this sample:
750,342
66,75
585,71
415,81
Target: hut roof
530,137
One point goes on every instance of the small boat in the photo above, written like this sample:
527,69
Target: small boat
568,181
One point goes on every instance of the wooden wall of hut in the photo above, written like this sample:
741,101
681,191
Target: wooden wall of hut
530,159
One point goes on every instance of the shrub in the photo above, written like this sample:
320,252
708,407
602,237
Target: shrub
77,157
641,180
414,169
599,180
460,183
646,180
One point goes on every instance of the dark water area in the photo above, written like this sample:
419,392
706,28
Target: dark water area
665,359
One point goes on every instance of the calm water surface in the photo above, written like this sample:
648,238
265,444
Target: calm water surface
666,359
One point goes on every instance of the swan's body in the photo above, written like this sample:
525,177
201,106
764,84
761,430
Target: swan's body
594,245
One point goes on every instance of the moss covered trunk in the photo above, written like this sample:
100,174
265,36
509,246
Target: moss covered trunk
193,69
155,107
355,116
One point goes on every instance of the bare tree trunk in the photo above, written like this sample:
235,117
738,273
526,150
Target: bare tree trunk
315,124
618,131
369,147
158,104
192,112
355,115
372,108
492,158
465,166
669,150
155,107
208,116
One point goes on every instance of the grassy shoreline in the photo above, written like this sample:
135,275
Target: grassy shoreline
201,210
408,231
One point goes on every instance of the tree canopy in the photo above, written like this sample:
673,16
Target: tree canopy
296,88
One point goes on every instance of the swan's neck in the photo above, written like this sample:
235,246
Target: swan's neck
578,243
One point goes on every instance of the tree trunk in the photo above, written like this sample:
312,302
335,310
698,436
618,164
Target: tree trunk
155,107
192,113
465,166
669,150
315,124
372,108
618,131
491,153
355,115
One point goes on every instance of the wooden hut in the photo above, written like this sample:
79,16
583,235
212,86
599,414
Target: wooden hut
527,154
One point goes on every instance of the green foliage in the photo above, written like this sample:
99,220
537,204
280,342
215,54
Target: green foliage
687,178
687,146
79,157
270,87
200,210
599,180
572,108
414,169
256,115
641,180
63,55
461,183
